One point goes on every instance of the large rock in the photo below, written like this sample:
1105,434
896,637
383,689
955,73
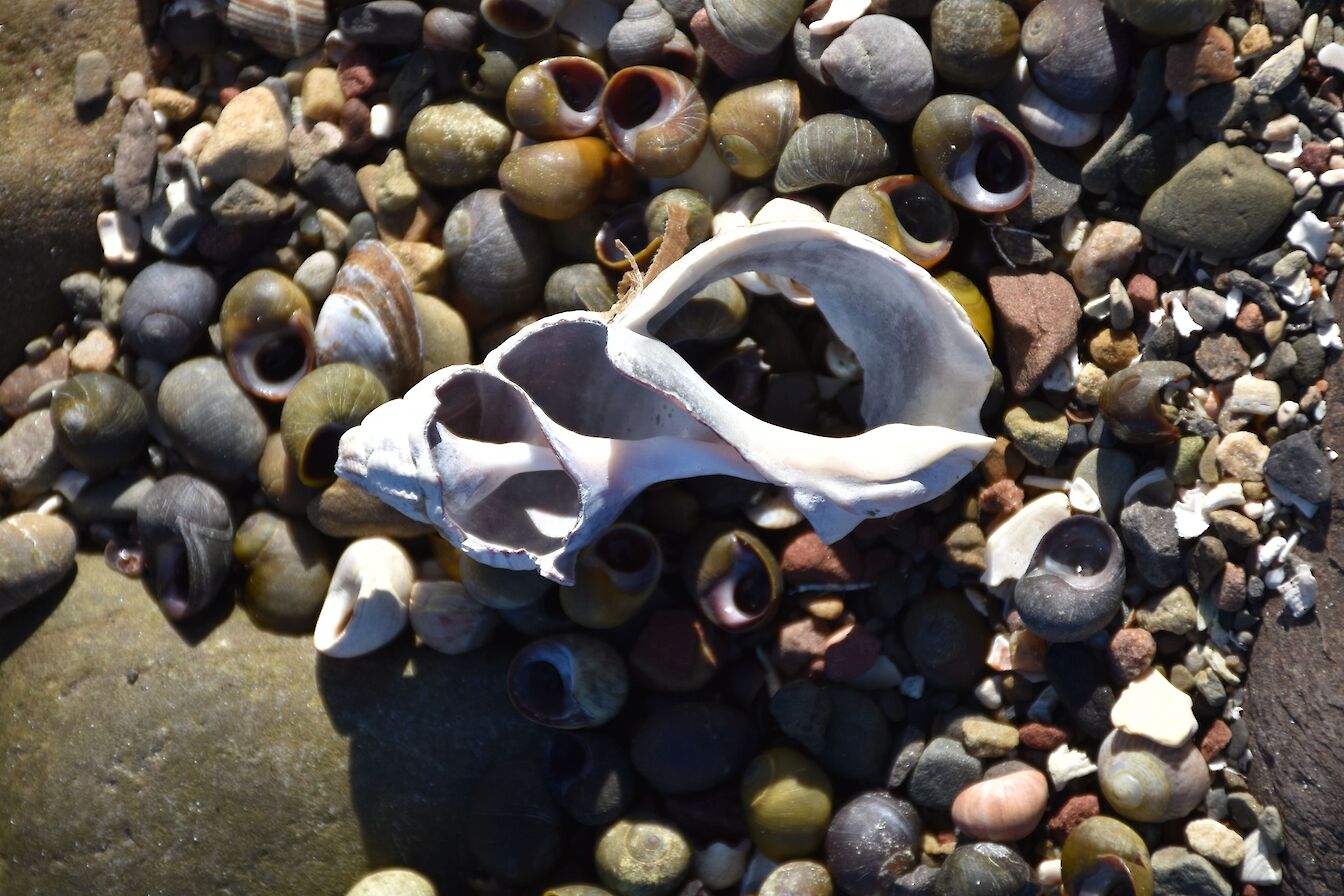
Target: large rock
1225,202
226,760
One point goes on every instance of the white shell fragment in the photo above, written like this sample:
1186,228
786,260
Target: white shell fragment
1009,548
366,603
1066,764
523,460
1154,708
448,619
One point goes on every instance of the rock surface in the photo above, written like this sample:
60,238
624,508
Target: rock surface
232,758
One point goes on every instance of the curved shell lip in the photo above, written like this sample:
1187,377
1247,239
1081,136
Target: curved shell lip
244,357
1086,593
577,82
628,115
521,18
366,603
963,175
922,250
1053,123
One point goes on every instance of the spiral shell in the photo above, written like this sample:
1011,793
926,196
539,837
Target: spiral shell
167,308
445,617
325,404
1145,781
556,98
613,578
1073,586
558,179
1103,855
365,606
288,571
568,681
839,148
1052,123
642,857
972,154
640,35
1131,401
101,422
266,326
873,840
735,579
1005,805
904,212
500,257
754,26
589,775
1169,18
210,420
750,126
284,28
1077,52
187,535
655,118
629,225
521,18
787,798
369,318
974,42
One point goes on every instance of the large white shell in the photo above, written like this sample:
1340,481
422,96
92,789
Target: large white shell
523,460
366,602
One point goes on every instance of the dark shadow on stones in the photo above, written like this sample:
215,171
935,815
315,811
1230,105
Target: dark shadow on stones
16,627
195,629
422,727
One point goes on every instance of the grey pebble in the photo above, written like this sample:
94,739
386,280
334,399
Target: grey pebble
1101,174
802,709
1310,363
1211,688
1279,70
1206,307
332,185
93,83
1218,107
363,226
909,747
1179,872
317,274
1110,472
1244,810
383,22
1215,804
137,153
1055,189
81,291
944,770
29,458
1271,829
1221,357
1149,532
1148,160
1241,739
1080,678
246,203
1281,361
1298,465
1163,344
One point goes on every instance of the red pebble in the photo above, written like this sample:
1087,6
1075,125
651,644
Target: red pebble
1001,498
1142,291
1249,890
1039,736
1131,652
800,643
355,72
1215,740
1315,157
850,652
806,560
226,94
1075,811
1250,319
354,123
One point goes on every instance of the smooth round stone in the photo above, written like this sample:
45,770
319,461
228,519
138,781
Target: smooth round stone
212,422
259,767
884,64
344,510
1179,872
944,770
1226,202
948,639
250,140
393,882
1038,431
383,22
36,552
455,144
29,458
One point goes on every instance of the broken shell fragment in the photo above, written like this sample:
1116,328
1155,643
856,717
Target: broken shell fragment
522,468
1154,708
366,604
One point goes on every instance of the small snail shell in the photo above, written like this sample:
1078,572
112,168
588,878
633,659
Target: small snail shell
589,775
613,578
501,589
787,798
1072,587
556,98
735,578
655,118
500,257
974,42
365,607
167,308
556,180
101,422
754,26
1077,52
578,287
513,827
629,225
798,878
266,326
983,869
1131,401
904,212
750,126
521,18
1053,123
1103,855
285,28
972,154
288,571
326,403
884,64
640,35
210,420
699,215
1145,781
445,617
568,681
445,28
642,857
369,318
459,143
873,840
839,148
715,314
187,534
972,301
1005,805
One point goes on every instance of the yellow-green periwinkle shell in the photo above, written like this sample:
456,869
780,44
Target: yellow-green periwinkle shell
326,403
787,798
1103,855
638,857
972,301
750,126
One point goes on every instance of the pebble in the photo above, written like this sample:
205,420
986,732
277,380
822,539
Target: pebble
1242,455
850,652
383,22
317,274
803,711
81,291
321,95
1080,680
1260,866
1040,736
250,140
246,203
1243,808
119,236
92,83
396,188
1271,830
95,353
1279,70
1173,612
29,458
1296,464
1151,707
1229,185
1038,431
1254,396
1206,307
1215,740
944,770
1183,460
986,739
808,562
343,510
1222,357
1215,841
1310,355
1281,361
393,882
1229,593
310,142
1207,58
1108,252
1038,323
1149,532
175,106
137,155
965,545
1113,350
1074,811
1179,872
1065,764
1131,652
1204,563
333,185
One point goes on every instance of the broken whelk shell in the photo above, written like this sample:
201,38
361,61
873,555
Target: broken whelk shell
523,460
366,603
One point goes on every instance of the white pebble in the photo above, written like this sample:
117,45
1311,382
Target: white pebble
1309,27
119,234
1287,411
990,693
1303,182
1046,483
337,45
194,140
1185,324
1260,867
1253,509
1282,128
1065,764
1311,234
1050,873
1282,155
838,17
1331,56
1274,578
1299,592
382,120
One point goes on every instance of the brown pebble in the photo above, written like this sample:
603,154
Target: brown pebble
356,73
1039,736
826,607
1076,810
175,105
1229,592
1207,58
1131,652
1001,498
806,560
1003,461
799,643
1038,322
25,379
1250,319
95,353
1113,350
1215,740
1256,40
1107,253
1221,357
1142,291
322,95
1248,890
1315,157
92,82
850,652
354,124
